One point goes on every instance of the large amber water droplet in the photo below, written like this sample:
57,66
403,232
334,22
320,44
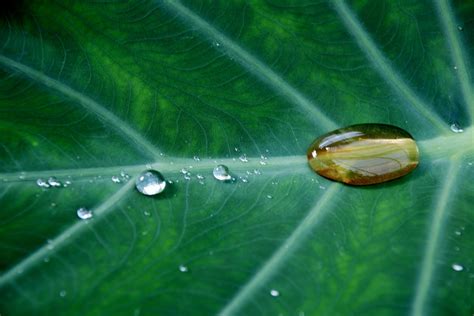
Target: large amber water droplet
364,154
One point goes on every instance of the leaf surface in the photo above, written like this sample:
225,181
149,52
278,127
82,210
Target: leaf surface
95,89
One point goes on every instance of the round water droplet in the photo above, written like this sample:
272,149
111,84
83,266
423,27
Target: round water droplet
457,233
42,184
460,28
200,177
184,171
221,173
63,293
52,181
196,158
269,197
455,67
116,179
150,182
456,128
364,154
457,267
274,293
146,213
84,213
183,268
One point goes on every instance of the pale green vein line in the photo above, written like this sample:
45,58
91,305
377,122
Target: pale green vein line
434,237
458,55
272,165
65,237
383,66
138,141
284,252
440,147
250,62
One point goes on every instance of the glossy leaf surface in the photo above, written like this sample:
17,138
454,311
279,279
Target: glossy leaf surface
89,89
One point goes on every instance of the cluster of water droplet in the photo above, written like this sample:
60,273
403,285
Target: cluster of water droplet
52,182
123,177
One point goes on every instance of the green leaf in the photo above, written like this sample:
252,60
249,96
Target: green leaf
93,89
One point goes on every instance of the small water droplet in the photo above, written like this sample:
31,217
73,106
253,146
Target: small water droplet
116,179
216,43
274,293
62,293
460,28
455,67
46,260
456,128
124,175
196,158
200,177
146,213
244,180
221,173
187,176
457,267
269,197
458,233
84,213
244,158
257,172
42,184
183,268
263,163
52,181
184,171
150,182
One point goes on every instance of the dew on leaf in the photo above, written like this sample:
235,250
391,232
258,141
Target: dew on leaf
457,267
84,213
274,293
183,268
244,158
62,293
116,179
150,182
52,181
221,173
42,184
456,128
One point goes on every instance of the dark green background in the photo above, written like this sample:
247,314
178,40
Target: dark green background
91,88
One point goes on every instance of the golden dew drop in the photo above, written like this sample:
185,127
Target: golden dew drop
364,154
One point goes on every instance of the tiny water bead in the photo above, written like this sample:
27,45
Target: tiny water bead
183,268
364,154
84,213
274,293
456,128
52,181
42,184
221,173
457,267
150,182
116,179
